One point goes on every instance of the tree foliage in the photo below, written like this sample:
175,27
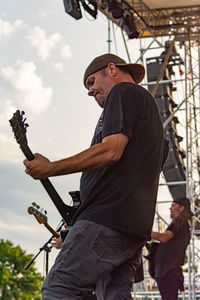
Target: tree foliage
16,283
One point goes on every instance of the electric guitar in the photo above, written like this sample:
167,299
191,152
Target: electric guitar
19,128
41,218
151,248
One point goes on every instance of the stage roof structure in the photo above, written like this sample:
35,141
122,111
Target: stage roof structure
153,18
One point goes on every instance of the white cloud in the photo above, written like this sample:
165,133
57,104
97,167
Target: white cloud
8,149
42,43
66,51
46,44
29,87
14,226
58,66
7,110
45,13
6,28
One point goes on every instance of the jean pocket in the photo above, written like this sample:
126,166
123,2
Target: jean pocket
108,245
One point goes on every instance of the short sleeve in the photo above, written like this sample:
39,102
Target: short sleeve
172,228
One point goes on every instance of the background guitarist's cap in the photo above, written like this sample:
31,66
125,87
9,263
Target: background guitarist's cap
184,202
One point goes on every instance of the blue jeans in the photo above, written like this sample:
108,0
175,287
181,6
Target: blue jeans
93,254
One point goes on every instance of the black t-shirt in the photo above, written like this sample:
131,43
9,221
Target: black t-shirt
122,196
170,255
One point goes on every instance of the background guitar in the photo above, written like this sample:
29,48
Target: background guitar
41,218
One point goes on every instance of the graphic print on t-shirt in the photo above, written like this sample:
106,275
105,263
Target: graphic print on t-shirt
98,131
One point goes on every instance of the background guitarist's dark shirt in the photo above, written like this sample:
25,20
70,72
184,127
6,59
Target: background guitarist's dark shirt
170,255
122,196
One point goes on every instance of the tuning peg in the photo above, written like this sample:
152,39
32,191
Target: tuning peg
37,206
43,211
34,204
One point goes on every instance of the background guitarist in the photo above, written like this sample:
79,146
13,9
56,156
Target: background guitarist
170,253
118,186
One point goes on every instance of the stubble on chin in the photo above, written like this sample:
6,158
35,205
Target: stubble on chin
101,102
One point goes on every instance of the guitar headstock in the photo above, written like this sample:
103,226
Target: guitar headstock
19,127
40,217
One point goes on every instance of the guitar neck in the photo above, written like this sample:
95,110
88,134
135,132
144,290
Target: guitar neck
55,234
65,210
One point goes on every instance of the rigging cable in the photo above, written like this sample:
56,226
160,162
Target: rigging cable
125,44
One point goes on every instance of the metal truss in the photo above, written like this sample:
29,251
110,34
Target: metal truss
192,93
171,21
187,97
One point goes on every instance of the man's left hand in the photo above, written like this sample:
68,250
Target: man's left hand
38,168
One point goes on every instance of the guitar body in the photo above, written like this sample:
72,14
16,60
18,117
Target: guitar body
19,128
152,248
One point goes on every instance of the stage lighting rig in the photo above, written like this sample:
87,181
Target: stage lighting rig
115,8
128,25
72,8
90,7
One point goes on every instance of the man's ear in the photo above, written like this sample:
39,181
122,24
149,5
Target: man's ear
112,69
182,208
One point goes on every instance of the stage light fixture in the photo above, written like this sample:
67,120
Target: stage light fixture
115,8
90,7
72,8
128,25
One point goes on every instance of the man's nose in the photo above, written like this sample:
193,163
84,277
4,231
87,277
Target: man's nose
90,92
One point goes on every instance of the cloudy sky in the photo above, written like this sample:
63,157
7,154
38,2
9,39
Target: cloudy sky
44,53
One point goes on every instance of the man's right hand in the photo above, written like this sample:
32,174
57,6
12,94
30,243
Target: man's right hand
57,242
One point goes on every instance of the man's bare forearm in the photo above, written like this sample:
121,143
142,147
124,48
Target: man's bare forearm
97,156
162,236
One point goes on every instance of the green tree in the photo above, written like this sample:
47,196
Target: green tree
15,282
